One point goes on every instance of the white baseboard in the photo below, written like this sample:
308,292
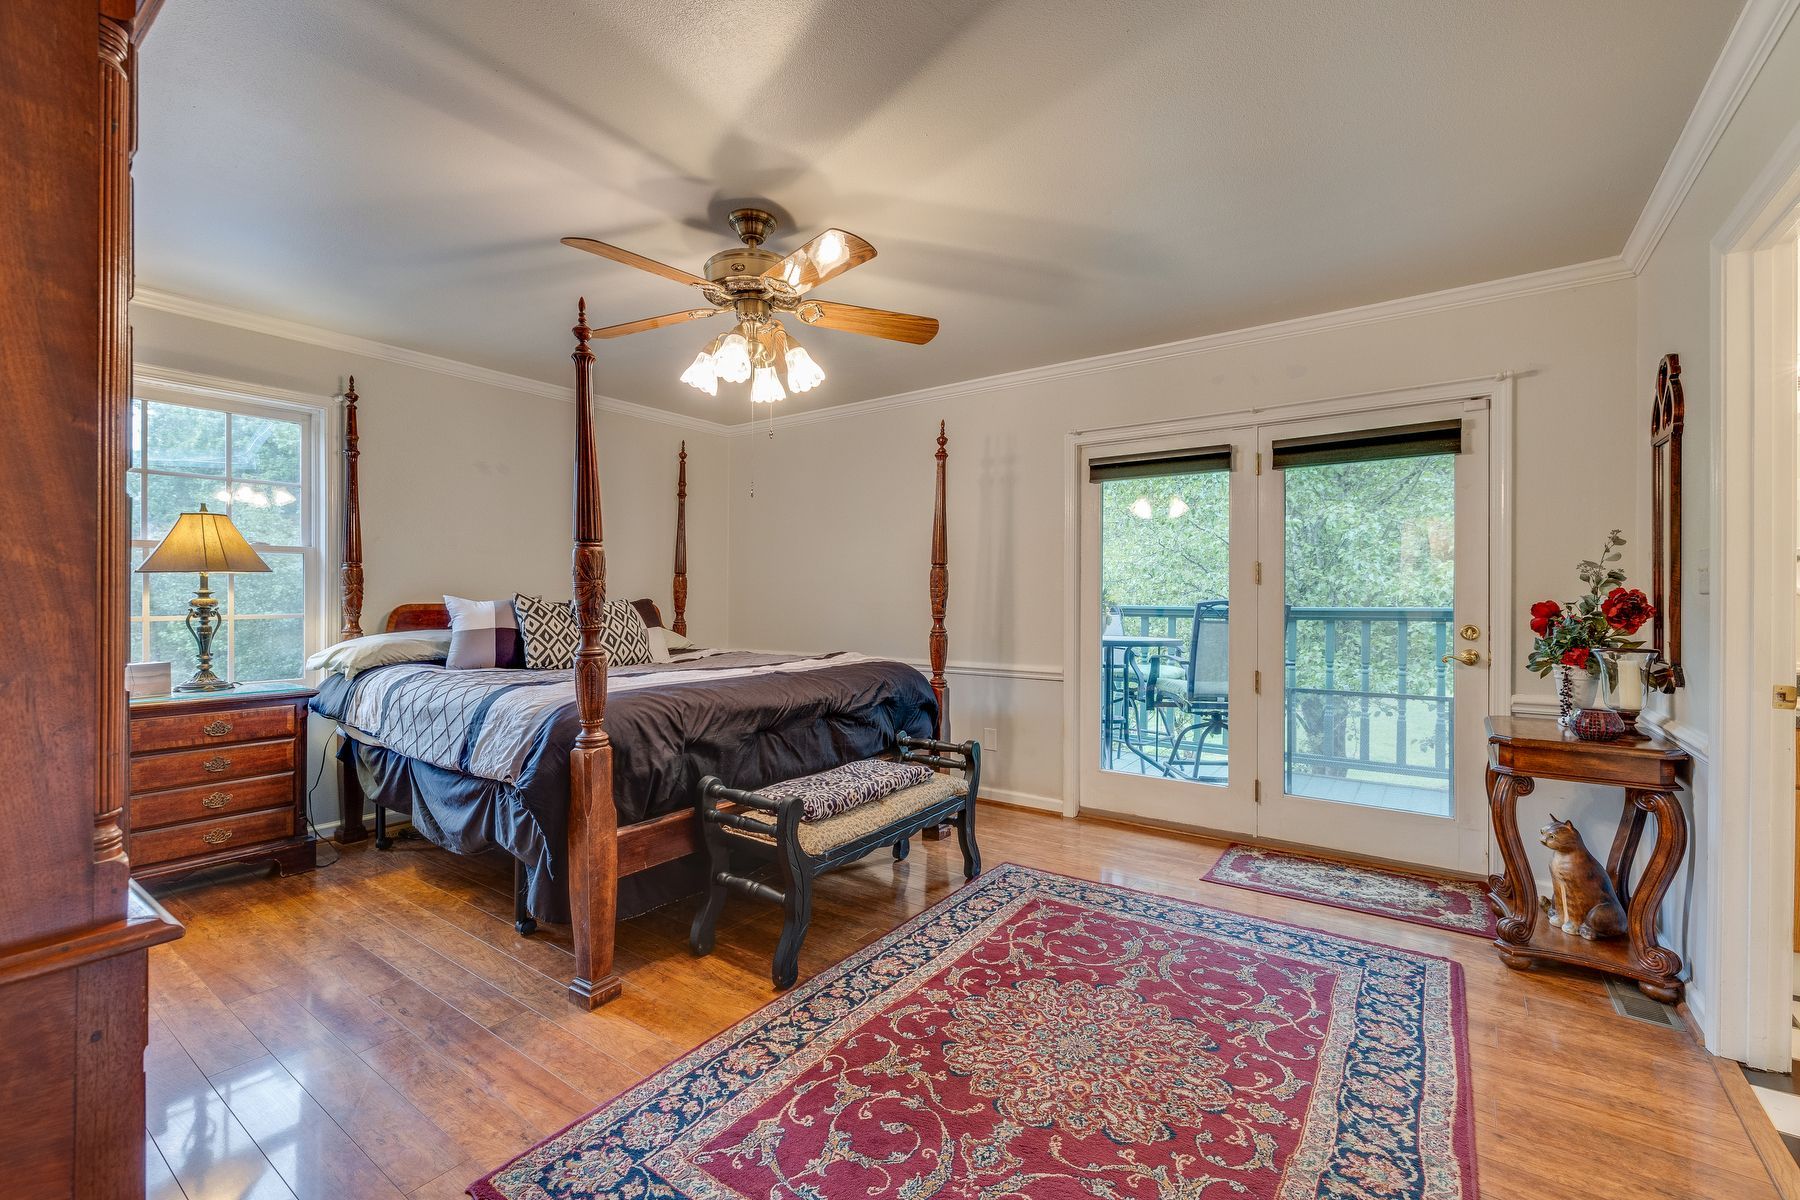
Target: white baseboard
1049,804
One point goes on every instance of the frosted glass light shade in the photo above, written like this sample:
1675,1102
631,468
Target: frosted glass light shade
803,374
766,389
702,374
733,360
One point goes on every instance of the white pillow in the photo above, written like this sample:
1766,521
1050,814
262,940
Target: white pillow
381,649
676,641
658,638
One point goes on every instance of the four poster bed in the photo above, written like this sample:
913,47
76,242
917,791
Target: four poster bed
591,798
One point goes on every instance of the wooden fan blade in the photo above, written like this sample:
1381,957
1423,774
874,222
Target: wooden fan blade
874,322
825,257
648,323
634,260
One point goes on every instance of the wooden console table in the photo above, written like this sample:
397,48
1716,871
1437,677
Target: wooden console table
1522,750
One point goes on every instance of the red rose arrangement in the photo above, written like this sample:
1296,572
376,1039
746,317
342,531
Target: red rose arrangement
1572,635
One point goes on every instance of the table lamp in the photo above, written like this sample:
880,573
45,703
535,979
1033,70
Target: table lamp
209,543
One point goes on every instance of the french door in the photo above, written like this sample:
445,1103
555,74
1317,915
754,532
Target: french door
1284,631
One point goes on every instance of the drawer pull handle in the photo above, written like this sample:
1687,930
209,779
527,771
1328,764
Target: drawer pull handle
216,837
217,728
216,800
216,764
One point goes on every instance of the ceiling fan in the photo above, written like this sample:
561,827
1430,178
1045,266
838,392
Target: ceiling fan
755,284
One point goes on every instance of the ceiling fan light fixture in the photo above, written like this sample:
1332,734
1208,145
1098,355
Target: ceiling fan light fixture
803,374
766,388
702,374
732,363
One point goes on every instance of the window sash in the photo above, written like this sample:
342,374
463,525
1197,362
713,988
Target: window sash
306,491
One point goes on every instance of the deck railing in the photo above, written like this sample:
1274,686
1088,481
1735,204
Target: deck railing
1367,693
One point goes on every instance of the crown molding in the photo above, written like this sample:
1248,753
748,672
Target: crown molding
1752,39
1602,270
330,339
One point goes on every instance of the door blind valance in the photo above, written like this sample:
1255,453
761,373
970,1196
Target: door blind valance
1146,466
1370,445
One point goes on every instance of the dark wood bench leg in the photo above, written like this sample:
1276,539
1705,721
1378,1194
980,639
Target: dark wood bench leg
965,836
797,904
700,936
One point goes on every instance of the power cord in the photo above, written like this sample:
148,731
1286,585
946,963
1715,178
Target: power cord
318,839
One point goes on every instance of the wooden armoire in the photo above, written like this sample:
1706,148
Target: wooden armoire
74,933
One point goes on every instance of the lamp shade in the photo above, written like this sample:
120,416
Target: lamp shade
203,541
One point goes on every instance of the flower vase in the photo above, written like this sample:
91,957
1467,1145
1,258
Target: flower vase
1576,689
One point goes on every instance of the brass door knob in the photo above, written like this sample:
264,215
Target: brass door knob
1467,658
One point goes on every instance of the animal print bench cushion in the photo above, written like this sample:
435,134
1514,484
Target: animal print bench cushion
843,788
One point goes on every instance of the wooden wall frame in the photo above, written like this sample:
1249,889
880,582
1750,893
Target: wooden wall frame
1666,419
601,852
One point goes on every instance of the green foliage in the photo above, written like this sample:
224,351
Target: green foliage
1367,534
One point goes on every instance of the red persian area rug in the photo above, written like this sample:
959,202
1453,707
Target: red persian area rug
1039,1036
1458,905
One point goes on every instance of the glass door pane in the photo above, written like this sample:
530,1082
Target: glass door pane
1165,569
1369,604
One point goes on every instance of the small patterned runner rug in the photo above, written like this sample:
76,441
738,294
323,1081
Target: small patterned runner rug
1458,905
1034,1035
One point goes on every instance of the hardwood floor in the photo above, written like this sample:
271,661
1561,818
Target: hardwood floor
376,1029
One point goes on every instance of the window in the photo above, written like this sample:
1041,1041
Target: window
259,463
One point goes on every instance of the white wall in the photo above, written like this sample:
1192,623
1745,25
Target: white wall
832,551
467,485
1678,310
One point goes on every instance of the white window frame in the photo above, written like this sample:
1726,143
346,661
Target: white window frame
318,416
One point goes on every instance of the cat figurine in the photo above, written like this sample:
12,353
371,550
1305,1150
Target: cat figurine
1583,900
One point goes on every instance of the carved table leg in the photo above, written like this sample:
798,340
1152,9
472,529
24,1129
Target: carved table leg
1647,953
1514,893
1625,847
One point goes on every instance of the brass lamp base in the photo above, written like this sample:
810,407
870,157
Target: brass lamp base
203,622
205,681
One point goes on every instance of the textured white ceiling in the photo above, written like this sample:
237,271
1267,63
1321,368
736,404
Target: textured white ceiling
1052,179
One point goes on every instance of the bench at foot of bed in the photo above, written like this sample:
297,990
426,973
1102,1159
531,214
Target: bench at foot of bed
777,830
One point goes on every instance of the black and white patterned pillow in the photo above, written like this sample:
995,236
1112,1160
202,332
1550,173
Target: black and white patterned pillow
551,637
624,636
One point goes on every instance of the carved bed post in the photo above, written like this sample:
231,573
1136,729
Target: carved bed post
351,824
940,600
680,625
351,573
593,821
940,595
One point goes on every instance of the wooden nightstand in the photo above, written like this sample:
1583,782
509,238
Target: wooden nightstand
218,777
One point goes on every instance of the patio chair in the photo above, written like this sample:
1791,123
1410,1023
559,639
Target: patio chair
1190,693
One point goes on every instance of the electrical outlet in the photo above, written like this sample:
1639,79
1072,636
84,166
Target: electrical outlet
990,740
1703,581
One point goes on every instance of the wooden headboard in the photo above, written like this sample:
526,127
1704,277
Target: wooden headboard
436,616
